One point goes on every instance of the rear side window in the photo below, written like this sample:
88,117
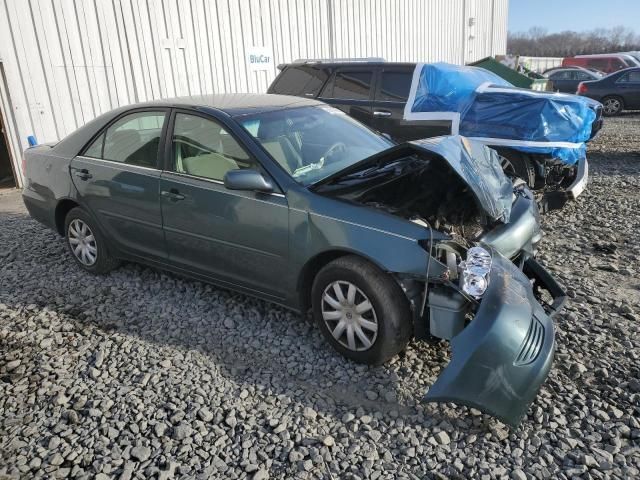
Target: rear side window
562,75
617,64
599,64
351,85
631,77
133,139
300,81
583,76
394,86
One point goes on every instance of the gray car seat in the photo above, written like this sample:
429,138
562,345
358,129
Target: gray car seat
273,137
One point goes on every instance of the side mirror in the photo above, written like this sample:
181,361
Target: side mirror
246,179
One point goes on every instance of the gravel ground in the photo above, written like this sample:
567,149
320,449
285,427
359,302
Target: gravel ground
141,374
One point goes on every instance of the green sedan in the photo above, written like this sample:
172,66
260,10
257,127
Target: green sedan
295,202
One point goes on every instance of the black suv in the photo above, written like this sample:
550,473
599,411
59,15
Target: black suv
375,92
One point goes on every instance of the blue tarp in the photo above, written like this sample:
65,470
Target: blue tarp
486,107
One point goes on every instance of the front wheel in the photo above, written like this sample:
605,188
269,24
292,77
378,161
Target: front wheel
361,310
86,243
612,106
517,164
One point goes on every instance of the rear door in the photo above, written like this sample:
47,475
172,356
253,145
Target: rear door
117,178
629,87
236,237
351,90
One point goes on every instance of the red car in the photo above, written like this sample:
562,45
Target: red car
607,63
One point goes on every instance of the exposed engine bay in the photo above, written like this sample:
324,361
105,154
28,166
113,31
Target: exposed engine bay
424,190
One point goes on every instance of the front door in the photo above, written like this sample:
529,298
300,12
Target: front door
117,179
235,237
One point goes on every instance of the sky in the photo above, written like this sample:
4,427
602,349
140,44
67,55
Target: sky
577,15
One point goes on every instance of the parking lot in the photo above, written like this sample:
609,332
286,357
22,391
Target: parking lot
141,373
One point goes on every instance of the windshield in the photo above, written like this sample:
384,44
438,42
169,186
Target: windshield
312,143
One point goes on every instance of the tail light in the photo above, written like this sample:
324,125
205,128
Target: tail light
582,88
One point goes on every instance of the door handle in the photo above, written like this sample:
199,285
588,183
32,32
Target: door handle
381,113
172,194
83,174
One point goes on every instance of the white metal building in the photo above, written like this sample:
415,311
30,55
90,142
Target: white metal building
63,62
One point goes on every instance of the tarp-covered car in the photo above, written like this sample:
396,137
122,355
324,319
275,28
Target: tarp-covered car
297,203
541,136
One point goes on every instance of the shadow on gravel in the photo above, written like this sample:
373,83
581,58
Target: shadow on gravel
251,342
613,164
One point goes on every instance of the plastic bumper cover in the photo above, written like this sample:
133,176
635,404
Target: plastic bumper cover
580,182
500,360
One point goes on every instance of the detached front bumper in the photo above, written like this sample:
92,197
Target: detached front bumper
500,360
556,199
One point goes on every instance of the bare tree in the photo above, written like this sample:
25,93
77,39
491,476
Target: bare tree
537,42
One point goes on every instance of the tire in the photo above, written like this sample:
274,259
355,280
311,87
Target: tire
612,106
86,243
518,164
389,311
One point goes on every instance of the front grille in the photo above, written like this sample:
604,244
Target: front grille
532,344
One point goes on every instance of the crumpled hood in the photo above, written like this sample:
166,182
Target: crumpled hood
479,166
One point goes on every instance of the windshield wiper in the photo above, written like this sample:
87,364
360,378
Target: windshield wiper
373,171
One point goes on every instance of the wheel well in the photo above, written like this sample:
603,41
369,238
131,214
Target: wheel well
309,272
617,97
63,207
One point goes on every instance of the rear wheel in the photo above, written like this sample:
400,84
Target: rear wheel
517,164
612,106
361,310
86,243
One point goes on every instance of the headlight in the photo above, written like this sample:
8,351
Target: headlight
474,272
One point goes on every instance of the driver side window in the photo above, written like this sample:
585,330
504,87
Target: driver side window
204,148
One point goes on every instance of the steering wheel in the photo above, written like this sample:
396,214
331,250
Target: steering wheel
338,147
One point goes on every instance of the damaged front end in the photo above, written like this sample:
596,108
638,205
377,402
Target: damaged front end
482,288
449,184
502,337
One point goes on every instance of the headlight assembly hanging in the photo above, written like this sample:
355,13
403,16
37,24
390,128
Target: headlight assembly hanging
474,272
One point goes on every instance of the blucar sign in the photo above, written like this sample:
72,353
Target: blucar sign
259,58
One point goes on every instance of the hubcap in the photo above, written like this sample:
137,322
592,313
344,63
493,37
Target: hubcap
349,316
611,105
83,243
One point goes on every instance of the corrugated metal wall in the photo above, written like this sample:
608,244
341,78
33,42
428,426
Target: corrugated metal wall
67,61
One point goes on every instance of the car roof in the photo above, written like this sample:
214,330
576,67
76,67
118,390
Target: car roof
346,63
594,72
233,104
568,67
624,56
